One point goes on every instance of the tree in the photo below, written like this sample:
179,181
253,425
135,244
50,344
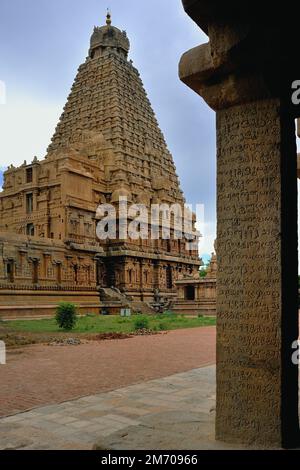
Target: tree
203,272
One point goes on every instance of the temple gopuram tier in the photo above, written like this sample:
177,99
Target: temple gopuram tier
107,146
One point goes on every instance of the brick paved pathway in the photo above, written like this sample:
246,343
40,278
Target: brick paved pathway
42,375
175,412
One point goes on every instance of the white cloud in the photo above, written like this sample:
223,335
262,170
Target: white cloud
26,127
208,231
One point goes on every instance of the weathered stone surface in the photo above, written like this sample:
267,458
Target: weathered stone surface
257,383
249,285
165,430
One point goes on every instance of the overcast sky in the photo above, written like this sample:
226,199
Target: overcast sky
42,43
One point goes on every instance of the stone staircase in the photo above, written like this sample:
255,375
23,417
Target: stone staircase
142,307
111,297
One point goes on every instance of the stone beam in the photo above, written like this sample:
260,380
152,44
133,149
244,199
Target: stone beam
244,73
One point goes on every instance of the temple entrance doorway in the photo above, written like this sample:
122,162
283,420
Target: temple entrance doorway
190,293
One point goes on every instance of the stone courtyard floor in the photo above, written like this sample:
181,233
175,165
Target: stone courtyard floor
145,392
43,375
175,412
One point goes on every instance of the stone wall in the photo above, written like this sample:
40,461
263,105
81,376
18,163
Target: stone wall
35,275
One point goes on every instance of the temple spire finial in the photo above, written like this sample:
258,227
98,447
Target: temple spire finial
108,17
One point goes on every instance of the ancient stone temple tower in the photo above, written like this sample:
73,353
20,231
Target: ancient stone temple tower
107,145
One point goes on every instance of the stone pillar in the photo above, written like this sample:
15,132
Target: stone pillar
142,264
156,269
58,272
98,267
46,263
81,226
253,304
35,262
35,200
257,318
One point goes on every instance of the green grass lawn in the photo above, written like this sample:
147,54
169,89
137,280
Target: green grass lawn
110,324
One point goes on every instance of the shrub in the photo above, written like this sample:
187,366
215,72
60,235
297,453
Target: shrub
167,313
66,316
160,316
141,323
171,316
122,320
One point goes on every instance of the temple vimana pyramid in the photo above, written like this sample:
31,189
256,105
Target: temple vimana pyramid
107,145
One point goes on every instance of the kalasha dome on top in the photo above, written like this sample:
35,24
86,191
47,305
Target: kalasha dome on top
107,37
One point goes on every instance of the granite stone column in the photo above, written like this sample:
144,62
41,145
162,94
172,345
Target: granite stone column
257,318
